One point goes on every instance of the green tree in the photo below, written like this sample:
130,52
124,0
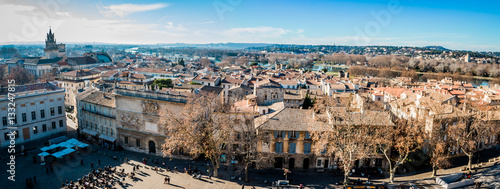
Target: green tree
308,103
163,83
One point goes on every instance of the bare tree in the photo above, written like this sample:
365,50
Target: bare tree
229,60
200,130
205,62
349,137
21,75
244,140
468,132
397,142
436,146
411,74
49,76
242,61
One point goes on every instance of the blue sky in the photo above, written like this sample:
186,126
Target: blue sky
459,25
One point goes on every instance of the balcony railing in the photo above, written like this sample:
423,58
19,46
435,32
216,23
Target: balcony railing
171,97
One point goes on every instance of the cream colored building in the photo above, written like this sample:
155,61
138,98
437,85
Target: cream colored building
75,81
97,116
39,112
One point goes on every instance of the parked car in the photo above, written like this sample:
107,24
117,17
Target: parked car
281,183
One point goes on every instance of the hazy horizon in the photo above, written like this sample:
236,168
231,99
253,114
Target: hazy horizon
450,24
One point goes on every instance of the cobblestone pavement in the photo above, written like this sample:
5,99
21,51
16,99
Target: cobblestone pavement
490,177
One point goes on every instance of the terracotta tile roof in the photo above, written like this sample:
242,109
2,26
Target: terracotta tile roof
288,119
205,78
313,82
232,80
100,98
468,85
457,92
128,83
109,73
338,86
140,76
288,82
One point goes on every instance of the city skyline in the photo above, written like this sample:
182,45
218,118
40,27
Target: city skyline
453,25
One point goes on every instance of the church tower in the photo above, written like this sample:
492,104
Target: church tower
52,49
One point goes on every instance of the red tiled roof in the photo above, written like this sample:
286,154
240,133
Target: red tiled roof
457,92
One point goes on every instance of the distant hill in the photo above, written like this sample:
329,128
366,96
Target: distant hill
438,48
218,45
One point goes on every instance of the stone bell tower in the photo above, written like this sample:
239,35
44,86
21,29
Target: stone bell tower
52,49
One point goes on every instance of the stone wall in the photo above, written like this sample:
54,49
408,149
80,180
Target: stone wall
139,119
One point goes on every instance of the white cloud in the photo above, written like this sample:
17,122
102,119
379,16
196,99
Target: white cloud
122,10
172,27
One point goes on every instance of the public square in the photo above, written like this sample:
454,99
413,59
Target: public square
70,169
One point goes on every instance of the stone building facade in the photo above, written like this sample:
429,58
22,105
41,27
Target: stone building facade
285,141
268,92
138,114
97,116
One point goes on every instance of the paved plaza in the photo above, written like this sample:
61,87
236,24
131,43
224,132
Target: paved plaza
70,169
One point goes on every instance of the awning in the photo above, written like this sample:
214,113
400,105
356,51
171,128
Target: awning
44,154
108,138
89,132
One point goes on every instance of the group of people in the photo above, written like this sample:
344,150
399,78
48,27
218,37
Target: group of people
105,178
30,182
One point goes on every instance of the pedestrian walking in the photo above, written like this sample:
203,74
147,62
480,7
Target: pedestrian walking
98,162
81,162
134,169
92,165
168,180
164,182
34,179
47,170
